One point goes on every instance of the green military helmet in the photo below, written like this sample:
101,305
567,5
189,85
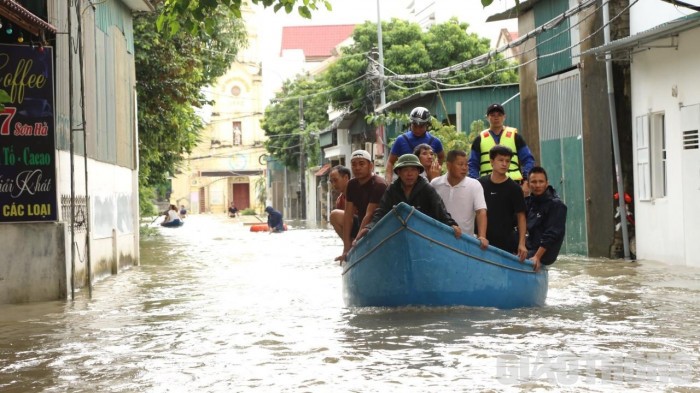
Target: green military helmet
409,159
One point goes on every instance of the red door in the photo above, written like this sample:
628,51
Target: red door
241,195
202,202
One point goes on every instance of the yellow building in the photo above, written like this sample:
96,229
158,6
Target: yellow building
228,165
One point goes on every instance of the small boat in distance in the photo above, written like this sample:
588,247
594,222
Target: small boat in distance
172,224
410,259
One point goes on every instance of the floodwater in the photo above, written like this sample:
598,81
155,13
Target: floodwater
216,308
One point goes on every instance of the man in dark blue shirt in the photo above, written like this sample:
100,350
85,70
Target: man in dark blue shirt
274,220
546,220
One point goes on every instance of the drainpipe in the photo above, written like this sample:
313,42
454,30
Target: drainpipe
613,130
85,152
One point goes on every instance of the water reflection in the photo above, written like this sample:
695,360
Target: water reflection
216,308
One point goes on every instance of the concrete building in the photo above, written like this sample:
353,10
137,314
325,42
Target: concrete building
69,192
505,37
663,53
304,49
565,114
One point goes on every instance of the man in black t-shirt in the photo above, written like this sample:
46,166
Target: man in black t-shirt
505,205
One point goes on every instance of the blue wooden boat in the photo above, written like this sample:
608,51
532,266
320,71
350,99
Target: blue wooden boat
172,224
409,258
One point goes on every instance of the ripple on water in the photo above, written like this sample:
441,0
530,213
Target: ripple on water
216,308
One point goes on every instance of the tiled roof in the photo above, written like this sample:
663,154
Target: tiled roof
315,41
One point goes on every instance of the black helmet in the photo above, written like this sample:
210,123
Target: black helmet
420,115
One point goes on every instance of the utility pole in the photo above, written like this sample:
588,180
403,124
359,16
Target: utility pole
302,162
382,94
613,130
380,46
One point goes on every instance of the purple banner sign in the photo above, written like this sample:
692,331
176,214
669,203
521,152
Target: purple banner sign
27,141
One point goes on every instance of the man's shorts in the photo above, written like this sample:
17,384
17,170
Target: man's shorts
355,226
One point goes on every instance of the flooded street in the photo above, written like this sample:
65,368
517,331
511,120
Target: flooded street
216,308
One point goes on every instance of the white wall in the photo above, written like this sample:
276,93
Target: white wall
662,80
646,14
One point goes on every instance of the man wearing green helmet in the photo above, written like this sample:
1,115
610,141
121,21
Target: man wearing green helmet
413,189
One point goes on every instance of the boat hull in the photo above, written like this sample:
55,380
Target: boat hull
411,259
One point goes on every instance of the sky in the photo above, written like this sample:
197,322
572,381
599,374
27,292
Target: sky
269,24
358,11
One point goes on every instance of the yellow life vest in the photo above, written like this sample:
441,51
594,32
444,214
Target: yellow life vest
508,140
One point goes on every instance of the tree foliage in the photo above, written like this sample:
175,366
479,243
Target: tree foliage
409,50
196,16
171,71
282,120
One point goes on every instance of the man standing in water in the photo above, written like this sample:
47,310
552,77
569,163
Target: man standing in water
275,223
505,205
499,134
463,196
546,220
364,191
339,178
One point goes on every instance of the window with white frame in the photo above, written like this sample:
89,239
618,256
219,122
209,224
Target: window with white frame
650,142
658,155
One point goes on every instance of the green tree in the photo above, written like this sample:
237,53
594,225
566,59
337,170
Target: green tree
409,50
171,71
199,15
281,120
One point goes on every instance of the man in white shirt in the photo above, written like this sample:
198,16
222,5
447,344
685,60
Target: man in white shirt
463,196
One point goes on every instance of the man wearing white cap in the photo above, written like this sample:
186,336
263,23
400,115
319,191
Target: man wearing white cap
364,191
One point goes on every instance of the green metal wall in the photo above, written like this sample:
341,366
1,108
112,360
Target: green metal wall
563,160
115,13
561,152
474,102
554,40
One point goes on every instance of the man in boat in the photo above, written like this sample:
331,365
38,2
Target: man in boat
408,141
339,178
499,134
172,218
275,223
363,193
414,190
463,196
505,205
546,220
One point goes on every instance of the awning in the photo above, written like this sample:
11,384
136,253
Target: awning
664,30
324,169
20,16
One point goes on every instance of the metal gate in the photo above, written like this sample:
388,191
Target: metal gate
561,151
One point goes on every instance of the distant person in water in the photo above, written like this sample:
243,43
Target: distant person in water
232,210
274,220
172,218
183,212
